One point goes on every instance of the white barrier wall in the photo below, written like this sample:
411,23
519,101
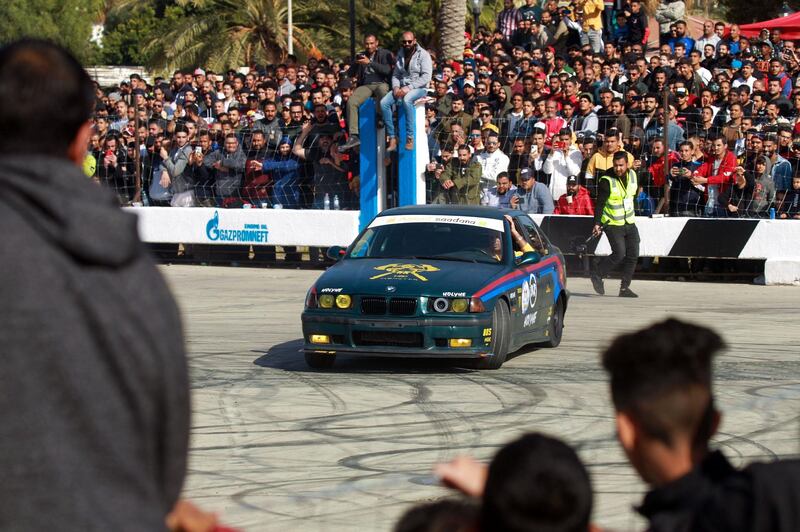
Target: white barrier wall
282,227
777,241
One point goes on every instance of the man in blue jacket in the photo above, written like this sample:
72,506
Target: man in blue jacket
412,73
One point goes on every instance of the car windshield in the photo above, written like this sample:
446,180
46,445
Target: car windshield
431,240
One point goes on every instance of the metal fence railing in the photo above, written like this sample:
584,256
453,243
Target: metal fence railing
705,165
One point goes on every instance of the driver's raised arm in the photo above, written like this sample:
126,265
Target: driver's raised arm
520,244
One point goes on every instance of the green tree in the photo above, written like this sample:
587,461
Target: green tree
127,30
227,33
66,22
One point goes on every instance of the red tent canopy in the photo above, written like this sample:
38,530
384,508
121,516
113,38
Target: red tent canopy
789,26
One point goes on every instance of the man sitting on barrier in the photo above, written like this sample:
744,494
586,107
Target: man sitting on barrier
412,73
373,70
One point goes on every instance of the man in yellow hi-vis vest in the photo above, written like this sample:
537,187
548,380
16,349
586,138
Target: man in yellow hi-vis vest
616,195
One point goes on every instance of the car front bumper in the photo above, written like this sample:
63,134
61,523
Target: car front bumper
411,337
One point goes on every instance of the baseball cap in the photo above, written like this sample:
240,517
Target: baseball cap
681,91
572,180
525,174
469,83
492,127
199,72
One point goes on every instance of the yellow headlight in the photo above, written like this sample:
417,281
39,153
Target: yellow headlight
320,339
326,301
343,301
459,305
460,342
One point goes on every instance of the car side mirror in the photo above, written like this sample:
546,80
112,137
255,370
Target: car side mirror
531,257
336,252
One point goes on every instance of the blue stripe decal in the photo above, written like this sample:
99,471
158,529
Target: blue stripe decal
518,281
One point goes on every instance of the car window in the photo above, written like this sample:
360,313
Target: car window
446,241
534,235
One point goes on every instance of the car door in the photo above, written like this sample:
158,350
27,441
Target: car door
539,279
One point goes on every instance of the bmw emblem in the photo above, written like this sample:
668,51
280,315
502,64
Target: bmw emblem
391,288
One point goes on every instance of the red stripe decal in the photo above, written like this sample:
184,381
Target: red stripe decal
518,273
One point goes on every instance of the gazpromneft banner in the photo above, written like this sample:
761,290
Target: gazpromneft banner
282,227
474,221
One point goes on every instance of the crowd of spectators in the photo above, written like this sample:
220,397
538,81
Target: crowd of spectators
544,99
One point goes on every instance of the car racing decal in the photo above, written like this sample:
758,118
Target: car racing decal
475,221
512,279
404,271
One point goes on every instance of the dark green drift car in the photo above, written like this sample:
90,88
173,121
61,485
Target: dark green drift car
439,281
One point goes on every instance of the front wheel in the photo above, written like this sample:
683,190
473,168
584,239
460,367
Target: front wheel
501,336
556,327
319,361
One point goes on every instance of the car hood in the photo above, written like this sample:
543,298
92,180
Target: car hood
408,277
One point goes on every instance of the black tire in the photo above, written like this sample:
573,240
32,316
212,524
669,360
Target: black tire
318,361
501,337
556,327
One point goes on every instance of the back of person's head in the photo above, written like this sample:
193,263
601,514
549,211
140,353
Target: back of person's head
536,483
47,96
444,515
661,377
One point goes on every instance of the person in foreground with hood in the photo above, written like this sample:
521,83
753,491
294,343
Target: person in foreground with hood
95,403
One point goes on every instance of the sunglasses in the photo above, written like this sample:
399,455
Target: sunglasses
407,42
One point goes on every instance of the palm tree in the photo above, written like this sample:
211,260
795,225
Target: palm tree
452,15
220,34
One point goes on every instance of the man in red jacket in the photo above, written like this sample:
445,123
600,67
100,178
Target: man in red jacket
716,174
576,200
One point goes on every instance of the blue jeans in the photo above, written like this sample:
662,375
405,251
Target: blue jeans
408,105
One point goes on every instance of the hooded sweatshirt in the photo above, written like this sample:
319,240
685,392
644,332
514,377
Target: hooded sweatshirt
95,399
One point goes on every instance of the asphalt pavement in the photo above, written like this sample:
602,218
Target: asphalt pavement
277,446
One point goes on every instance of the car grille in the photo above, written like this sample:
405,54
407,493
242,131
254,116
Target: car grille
373,305
397,306
403,306
387,339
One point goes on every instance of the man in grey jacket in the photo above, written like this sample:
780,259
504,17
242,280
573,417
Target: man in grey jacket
95,389
229,163
175,175
532,196
412,73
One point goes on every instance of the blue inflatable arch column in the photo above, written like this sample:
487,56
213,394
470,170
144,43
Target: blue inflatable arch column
372,169
411,174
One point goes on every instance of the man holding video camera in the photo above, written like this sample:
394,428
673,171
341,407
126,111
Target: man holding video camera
372,69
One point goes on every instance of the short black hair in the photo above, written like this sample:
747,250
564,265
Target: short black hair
445,515
620,155
52,97
536,483
661,376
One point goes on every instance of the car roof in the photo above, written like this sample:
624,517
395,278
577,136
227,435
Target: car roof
452,210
